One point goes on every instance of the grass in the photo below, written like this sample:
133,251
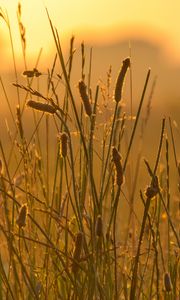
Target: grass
77,222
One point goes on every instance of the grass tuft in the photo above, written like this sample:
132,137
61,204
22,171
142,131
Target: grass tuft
87,230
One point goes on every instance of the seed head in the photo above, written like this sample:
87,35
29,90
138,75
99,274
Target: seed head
85,97
167,283
32,73
99,226
153,189
120,79
21,220
77,251
119,170
41,106
63,144
19,121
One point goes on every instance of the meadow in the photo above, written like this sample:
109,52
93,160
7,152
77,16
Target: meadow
84,214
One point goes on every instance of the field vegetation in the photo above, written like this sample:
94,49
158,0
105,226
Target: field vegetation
83,215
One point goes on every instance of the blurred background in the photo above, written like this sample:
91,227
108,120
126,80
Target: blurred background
148,31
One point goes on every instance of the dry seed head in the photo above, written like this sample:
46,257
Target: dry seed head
19,122
85,98
32,73
153,189
120,79
150,193
115,155
28,73
19,9
44,107
77,251
36,72
167,283
99,226
3,15
63,144
21,220
119,170
78,245
21,27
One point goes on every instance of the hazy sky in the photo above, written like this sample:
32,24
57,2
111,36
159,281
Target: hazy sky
97,21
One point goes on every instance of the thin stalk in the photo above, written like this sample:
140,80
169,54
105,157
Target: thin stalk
168,199
160,145
135,268
114,241
170,220
25,273
73,173
107,157
8,103
130,144
10,182
5,279
173,143
61,58
92,128
146,210
137,118
13,55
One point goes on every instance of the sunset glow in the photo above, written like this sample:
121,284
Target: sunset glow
95,22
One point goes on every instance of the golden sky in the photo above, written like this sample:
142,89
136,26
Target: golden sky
96,21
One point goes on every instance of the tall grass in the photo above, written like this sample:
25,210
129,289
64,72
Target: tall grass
73,225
